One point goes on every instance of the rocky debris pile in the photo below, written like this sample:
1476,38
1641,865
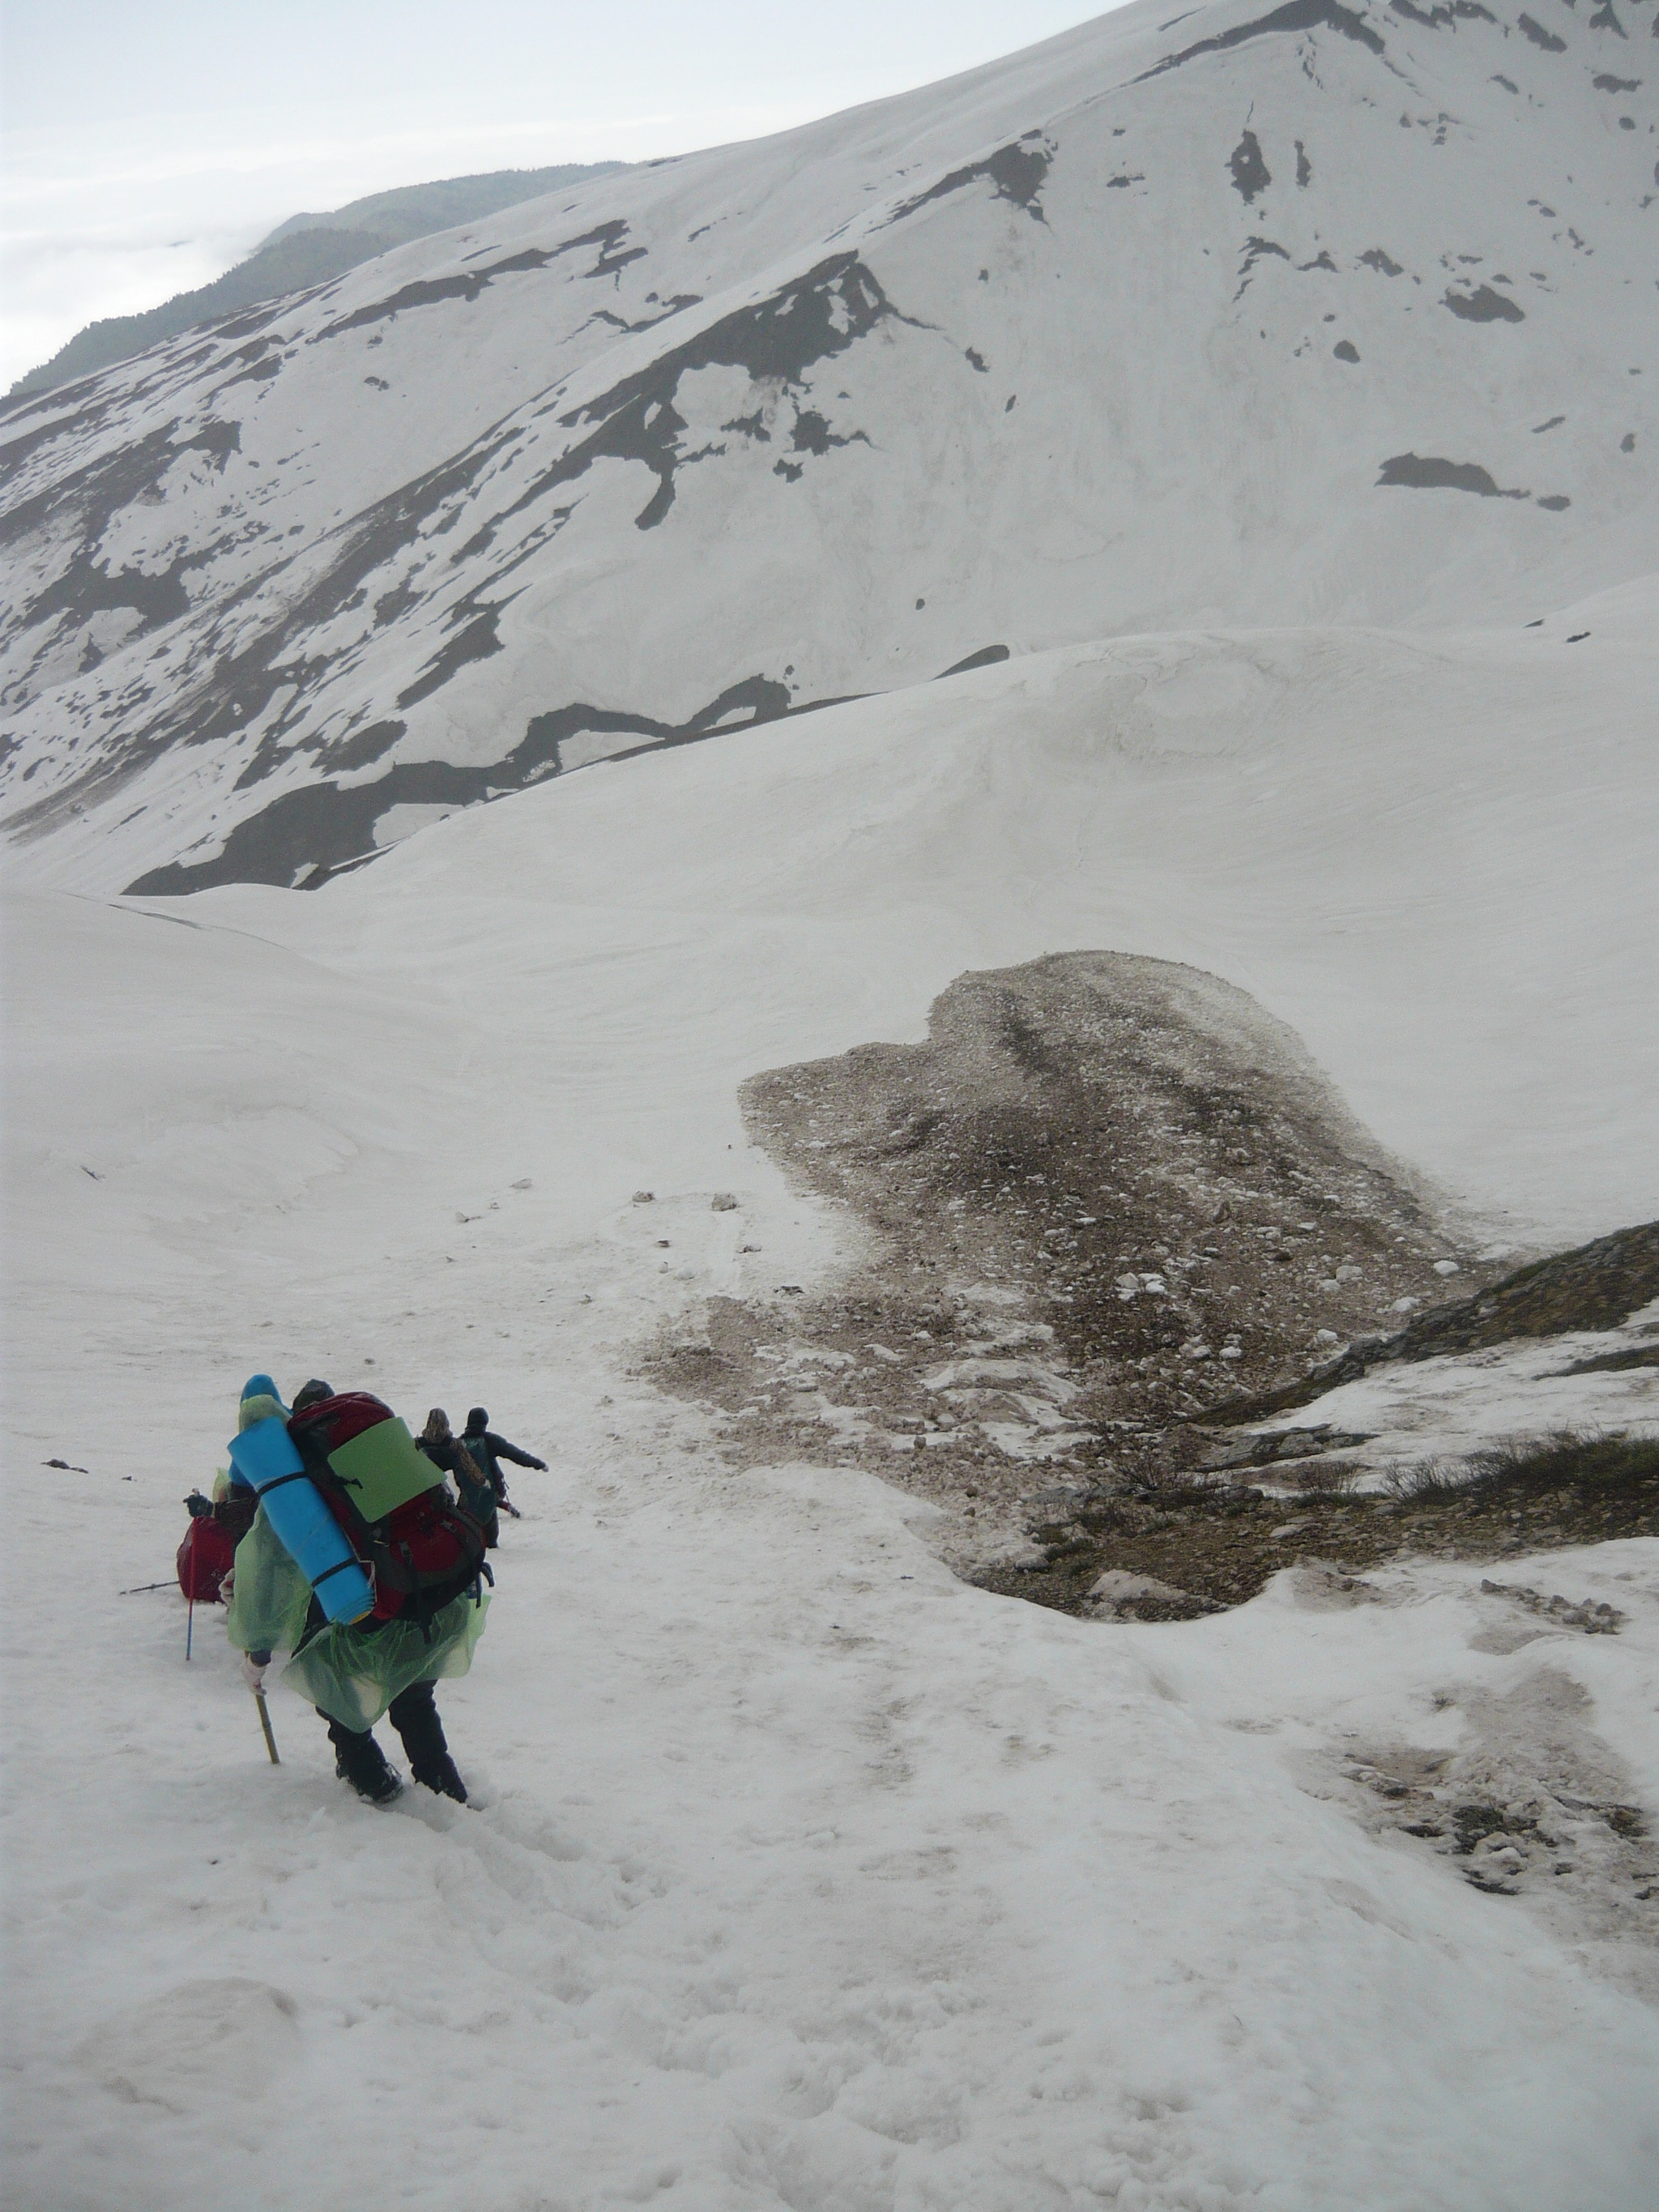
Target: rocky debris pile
1105,1192
1595,1619
1220,1542
1135,1154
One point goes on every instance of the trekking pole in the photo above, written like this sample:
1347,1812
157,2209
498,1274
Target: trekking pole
170,1584
190,1593
264,1723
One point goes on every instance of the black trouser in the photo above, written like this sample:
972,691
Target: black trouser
414,1713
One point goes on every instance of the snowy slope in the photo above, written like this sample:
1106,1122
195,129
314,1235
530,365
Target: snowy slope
802,1875
1267,317
799,1874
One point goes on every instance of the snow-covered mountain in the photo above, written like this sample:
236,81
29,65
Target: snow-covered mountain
799,1875
1320,313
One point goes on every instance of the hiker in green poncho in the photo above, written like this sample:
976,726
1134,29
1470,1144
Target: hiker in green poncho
425,1560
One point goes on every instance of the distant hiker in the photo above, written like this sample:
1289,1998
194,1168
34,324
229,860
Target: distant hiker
487,1448
424,1559
204,1557
445,1449
217,1525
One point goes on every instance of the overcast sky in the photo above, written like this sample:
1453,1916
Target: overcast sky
149,143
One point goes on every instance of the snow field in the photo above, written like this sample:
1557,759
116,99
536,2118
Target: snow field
1430,854
794,1884
800,1875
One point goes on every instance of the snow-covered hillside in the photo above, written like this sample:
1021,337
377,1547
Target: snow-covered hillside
799,1874
1314,314
1288,474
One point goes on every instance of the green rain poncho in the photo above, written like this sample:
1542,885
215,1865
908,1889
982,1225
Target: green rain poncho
353,1672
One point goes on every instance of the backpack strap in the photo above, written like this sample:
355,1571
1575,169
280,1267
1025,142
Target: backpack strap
339,1569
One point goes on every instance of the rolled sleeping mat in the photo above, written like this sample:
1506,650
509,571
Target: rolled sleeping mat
264,1457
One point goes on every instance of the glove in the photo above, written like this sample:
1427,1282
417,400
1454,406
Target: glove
253,1672
541,1463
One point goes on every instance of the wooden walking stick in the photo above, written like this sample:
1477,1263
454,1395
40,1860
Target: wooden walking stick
264,1723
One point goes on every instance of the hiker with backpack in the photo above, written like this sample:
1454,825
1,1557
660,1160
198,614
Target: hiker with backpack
444,1448
217,1525
487,1450
344,1475
204,1558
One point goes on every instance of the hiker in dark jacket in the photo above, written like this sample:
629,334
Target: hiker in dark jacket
445,1450
487,1448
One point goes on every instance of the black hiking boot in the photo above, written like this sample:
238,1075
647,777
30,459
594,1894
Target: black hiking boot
442,1778
359,1760
415,1715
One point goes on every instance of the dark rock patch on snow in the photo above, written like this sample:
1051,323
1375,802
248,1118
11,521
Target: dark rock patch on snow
1416,473
775,340
16,451
987,657
1015,172
1443,17
1482,305
98,491
1249,172
97,494
1297,16
84,590
359,748
435,291
813,433
1546,41
475,639
303,837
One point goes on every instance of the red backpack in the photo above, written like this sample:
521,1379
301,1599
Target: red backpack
421,1549
205,1559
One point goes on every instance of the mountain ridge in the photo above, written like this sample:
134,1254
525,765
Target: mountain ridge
305,250
1137,331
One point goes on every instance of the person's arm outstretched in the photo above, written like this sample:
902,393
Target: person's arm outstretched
502,1449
